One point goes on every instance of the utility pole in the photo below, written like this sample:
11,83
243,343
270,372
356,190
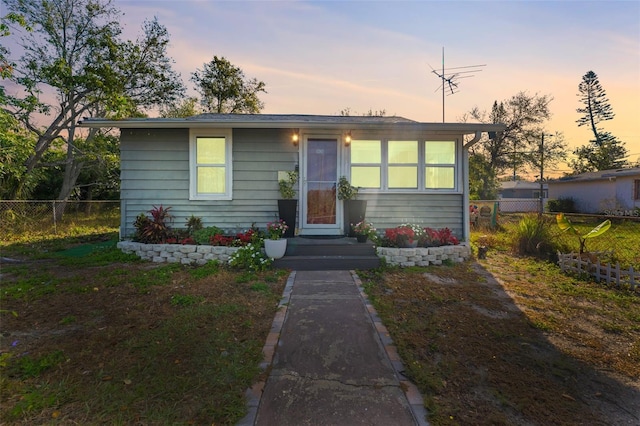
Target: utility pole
541,206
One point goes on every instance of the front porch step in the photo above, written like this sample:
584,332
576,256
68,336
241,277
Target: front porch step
297,247
327,263
311,254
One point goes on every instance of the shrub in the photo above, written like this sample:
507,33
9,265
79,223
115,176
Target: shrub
400,236
565,205
203,236
253,235
445,237
194,224
250,257
155,229
532,237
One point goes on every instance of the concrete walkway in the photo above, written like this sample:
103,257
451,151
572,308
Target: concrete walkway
331,361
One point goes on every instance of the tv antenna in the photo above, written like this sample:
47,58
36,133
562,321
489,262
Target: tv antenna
450,76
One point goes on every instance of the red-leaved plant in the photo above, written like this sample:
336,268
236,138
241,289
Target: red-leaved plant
156,229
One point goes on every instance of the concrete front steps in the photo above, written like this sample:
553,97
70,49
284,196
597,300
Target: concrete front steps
311,254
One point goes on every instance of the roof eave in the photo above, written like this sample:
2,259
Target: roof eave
464,128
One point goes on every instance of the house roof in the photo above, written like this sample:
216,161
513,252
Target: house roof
521,184
599,175
272,121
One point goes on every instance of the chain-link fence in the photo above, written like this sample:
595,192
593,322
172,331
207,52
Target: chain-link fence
17,216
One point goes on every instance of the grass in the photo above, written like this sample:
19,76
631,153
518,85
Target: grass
94,336
512,340
91,335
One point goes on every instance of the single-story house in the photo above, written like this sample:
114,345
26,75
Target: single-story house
224,168
521,196
615,192
522,189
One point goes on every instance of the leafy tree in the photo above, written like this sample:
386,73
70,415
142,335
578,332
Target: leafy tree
183,108
16,144
483,184
524,116
75,53
517,148
225,89
604,151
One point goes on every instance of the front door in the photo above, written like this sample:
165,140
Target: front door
320,208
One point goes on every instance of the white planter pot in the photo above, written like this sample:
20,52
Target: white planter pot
275,248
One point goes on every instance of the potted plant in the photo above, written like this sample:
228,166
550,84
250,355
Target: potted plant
275,246
287,205
363,230
354,210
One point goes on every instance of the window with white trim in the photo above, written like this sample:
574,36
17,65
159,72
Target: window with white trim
404,165
366,163
440,165
210,173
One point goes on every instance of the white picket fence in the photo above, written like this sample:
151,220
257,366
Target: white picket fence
574,262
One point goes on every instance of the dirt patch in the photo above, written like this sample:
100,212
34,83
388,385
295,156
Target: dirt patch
506,347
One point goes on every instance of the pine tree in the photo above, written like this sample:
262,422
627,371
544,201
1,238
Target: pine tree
604,151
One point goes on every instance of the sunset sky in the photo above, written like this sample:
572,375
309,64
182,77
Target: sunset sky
325,56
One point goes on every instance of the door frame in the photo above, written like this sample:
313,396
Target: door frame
319,229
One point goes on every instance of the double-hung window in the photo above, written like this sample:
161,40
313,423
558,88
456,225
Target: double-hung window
440,164
404,165
366,164
210,165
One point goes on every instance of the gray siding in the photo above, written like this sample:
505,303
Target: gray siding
429,210
155,171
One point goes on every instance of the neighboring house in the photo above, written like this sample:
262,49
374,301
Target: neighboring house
522,189
521,196
224,168
614,192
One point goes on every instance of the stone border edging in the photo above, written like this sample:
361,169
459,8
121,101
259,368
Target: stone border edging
411,391
178,253
201,254
254,393
424,256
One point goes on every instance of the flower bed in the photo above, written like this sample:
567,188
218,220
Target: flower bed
201,254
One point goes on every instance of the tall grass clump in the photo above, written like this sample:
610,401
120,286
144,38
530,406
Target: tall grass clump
532,237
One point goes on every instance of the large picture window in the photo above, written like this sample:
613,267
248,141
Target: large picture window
404,165
210,162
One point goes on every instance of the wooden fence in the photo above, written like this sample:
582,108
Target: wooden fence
590,264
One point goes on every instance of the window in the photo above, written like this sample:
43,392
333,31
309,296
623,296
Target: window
636,189
402,158
404,165
366,164
210,166
440,164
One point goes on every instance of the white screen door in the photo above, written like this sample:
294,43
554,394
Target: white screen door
321,161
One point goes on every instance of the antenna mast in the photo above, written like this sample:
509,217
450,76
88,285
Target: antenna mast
450,78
